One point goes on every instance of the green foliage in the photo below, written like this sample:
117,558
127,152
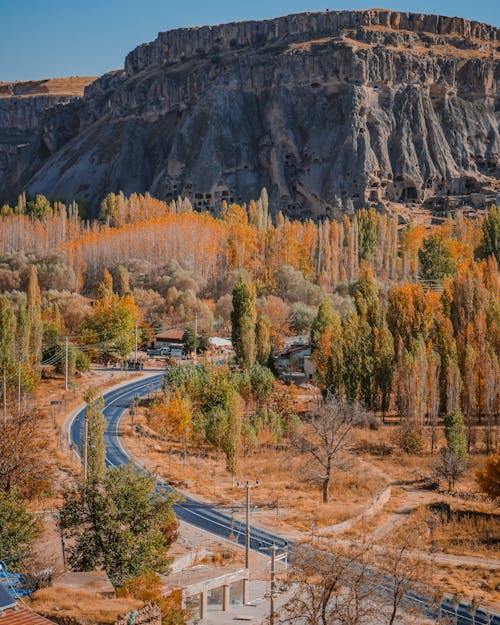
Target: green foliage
39,207
410,441
320,324
243,320
454,430
7,333
96,426
124,525
34,316
18,529
263,338
490,240
302,318
367,228
189,341
436,259
111,326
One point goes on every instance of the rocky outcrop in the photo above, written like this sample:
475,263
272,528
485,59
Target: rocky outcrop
327,110
22,108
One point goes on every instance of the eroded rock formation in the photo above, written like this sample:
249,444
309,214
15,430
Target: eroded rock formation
327,110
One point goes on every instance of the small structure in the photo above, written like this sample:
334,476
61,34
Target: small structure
208,588
96,582
220,348
172,339
293,362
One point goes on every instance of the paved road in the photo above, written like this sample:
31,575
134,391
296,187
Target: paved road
203,515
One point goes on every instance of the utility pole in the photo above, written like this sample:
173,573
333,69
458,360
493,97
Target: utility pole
273,577
196,325
5,395
66,364
248,486
136,335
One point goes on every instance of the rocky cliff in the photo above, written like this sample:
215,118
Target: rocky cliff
327,110
22,108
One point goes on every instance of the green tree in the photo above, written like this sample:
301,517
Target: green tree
122,280
320,324
263,338
490,240
436,259
302,318
34,314
39,207
96,426
383,366
124,526
111,326
367,234
7,333
243,320
454,431
189,341
18,529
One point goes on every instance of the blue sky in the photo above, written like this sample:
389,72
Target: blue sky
48,38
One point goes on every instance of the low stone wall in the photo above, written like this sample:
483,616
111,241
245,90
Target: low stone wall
380,500
148,615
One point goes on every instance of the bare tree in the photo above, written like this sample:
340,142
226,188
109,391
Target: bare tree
401,573
333,587
330,436
450,467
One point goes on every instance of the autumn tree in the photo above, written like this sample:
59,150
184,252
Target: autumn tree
320,324
243,320
489,478
263,338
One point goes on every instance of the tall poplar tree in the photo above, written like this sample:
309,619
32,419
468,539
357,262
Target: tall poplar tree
34,314
243,320
7,330
96,426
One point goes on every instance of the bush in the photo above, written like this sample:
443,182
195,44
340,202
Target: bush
410,441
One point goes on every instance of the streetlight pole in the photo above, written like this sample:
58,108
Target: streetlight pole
247,486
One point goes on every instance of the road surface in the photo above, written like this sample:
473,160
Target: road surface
205,516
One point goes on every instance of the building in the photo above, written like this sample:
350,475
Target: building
293,362
208,589
172,339
14,613
220,349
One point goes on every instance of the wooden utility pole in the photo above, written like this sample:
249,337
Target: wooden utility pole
136,341
248,486
66,364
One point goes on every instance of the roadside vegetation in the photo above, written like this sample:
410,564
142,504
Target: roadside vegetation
404,327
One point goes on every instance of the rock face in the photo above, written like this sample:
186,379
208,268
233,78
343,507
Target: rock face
327,110
22,108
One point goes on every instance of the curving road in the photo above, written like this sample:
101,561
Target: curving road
191,511
207,517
